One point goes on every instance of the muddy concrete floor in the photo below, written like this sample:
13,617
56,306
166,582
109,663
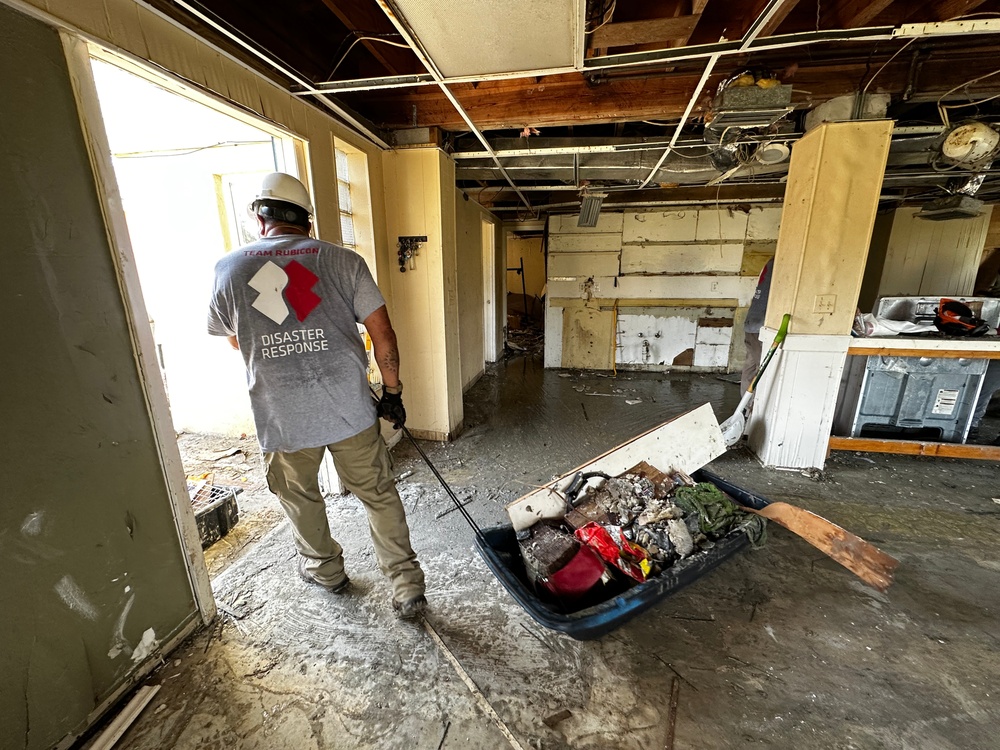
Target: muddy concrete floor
779,647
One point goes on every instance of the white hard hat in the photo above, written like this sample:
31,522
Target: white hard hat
279,186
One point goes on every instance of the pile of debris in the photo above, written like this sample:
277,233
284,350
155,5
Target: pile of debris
620,531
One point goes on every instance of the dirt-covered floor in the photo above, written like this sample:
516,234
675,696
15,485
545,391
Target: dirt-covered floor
779,647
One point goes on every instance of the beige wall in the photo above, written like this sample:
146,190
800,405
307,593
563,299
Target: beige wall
530,249
933,257
471,296
834,182
419,194
653,289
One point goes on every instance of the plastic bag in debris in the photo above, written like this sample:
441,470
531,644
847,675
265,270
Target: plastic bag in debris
611,544
718,514
866,324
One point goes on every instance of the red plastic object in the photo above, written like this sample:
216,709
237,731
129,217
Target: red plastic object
584,570
617,550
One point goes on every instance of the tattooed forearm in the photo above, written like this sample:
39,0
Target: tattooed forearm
387,358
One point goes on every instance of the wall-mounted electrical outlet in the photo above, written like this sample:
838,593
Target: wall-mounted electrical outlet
825,303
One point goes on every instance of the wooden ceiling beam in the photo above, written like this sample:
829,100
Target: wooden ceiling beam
368,17
948,9
570,99
853,14
632,33
777,19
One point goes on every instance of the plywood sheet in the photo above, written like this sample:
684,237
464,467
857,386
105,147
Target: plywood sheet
740,288
720,225
588,338
763,223
566,224
660,226
681,259
583,264
593,242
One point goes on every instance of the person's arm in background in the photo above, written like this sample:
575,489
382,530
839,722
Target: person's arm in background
233,342
390,407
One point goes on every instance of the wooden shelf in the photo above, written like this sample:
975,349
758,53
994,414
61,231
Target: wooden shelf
916,448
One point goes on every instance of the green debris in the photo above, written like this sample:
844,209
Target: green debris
718,514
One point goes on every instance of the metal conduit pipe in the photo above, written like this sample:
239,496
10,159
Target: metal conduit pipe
410,38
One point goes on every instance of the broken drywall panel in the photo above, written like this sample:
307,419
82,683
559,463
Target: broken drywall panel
588,338
576,243
681,259
660,226
763,223
721,224
740,288
553,335
711,356
583,264
718,335
566,224
650,339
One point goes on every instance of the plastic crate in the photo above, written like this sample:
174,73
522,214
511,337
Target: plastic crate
215,510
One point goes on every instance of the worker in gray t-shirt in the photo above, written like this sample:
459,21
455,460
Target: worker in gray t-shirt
291,304
752,325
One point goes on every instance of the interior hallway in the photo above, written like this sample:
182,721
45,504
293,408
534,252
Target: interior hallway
780,647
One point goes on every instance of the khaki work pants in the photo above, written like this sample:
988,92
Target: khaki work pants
362,463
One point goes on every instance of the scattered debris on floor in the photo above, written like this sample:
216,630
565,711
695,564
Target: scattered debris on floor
619,531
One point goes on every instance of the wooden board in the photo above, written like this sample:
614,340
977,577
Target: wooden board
587,338
916,448
684,443
681,259
891,351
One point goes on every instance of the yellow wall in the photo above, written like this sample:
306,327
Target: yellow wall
471,297
530,249
425,312
834,181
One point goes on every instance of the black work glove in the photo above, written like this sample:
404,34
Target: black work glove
390,408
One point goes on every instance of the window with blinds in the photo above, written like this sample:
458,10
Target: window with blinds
348,238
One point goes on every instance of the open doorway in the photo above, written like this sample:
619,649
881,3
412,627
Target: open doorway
186,172
526,292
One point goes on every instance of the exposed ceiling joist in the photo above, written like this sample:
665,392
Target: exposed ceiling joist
852,14
777,18
949,9
633,33
365,17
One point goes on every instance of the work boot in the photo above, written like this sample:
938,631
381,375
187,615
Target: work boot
334,588
411,609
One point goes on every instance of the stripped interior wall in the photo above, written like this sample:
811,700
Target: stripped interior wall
472,222
656,290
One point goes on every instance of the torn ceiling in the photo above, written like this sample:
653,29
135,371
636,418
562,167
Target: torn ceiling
541,100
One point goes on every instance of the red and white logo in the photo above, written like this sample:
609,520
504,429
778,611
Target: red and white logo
276,285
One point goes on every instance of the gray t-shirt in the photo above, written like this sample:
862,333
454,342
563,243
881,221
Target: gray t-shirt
758,305
293,304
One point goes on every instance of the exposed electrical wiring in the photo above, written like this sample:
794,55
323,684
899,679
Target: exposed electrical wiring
943,108
184,151
605,18
391,43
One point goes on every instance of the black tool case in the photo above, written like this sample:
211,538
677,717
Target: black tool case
499,549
